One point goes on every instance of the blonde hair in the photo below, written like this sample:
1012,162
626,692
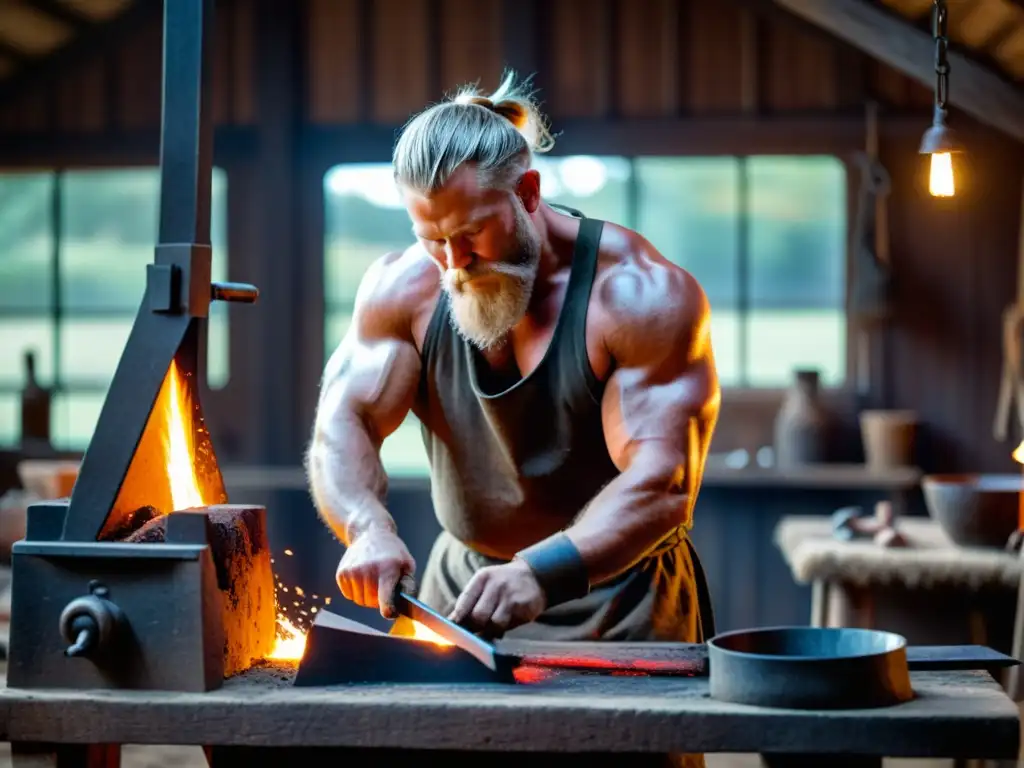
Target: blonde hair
497,133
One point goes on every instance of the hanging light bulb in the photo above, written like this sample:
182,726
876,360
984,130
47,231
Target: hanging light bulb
941,144
940,141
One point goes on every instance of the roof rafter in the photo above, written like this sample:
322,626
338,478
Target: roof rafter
975,88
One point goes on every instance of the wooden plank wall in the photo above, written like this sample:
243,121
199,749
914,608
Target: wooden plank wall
377,61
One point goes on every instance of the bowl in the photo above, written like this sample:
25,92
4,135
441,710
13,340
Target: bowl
975,510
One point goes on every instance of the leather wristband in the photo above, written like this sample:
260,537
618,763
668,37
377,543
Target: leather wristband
559,569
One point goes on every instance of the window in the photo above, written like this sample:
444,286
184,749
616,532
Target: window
765,236
73,250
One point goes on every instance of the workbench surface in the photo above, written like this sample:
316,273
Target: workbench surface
956,714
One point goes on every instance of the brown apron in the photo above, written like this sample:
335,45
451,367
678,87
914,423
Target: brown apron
665,597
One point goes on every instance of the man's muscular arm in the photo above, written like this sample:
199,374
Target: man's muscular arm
660,408
368,388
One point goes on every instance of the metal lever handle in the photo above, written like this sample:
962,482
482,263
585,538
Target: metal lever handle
88,624
242,293
86,632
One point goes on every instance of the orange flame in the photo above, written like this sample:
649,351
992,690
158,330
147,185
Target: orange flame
186,491
180,446
290,643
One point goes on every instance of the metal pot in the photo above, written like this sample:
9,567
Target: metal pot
810,668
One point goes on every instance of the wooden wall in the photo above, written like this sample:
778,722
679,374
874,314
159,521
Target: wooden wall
287,72
377,61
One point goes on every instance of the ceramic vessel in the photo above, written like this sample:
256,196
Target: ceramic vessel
975,510
888,438
803,424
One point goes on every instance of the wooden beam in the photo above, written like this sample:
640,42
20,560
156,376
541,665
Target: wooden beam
16,55
61,12
974,88
112,149
809,133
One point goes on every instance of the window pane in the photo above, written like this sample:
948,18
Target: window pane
781,340
10,419
689,209
335,327
109,229
596,186
403,453
26,241
217,346
725,341
90,348
218,342
18,336
74,418
363,219
219,224
797,272
797,232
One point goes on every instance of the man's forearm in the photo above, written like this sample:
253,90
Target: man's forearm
347,479
626,520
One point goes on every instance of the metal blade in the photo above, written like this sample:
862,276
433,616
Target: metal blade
459,636
963,657
691,659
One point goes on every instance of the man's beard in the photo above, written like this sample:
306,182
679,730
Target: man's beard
485,315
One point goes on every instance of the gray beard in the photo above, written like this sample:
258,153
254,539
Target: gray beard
485,318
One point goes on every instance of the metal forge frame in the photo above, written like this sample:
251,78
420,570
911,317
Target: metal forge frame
91,612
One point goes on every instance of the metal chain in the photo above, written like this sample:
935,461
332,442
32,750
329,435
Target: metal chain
939,18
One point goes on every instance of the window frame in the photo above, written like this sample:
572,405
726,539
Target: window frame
54,315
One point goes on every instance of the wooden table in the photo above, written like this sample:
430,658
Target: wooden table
956,714
932,591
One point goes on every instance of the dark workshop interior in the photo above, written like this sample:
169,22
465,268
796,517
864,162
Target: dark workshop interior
867,297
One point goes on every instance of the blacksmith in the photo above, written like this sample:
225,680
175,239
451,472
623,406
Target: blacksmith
563,373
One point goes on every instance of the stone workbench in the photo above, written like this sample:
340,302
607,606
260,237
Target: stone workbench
955,714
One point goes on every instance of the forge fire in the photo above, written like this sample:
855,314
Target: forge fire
175,446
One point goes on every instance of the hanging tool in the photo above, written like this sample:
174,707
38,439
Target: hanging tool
1011,387
870,291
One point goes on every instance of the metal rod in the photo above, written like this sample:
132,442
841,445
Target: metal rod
238,292
186,144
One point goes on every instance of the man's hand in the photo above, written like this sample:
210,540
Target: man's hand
371,569
499,598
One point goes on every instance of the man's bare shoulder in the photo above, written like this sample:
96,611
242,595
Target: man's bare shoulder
398,288
647,305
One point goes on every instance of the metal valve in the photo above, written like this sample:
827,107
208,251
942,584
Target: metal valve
90,623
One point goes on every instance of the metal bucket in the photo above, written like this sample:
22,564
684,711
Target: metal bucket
810,668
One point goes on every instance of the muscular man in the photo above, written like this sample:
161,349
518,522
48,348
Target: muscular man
563,373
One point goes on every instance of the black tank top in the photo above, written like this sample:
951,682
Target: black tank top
513,465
